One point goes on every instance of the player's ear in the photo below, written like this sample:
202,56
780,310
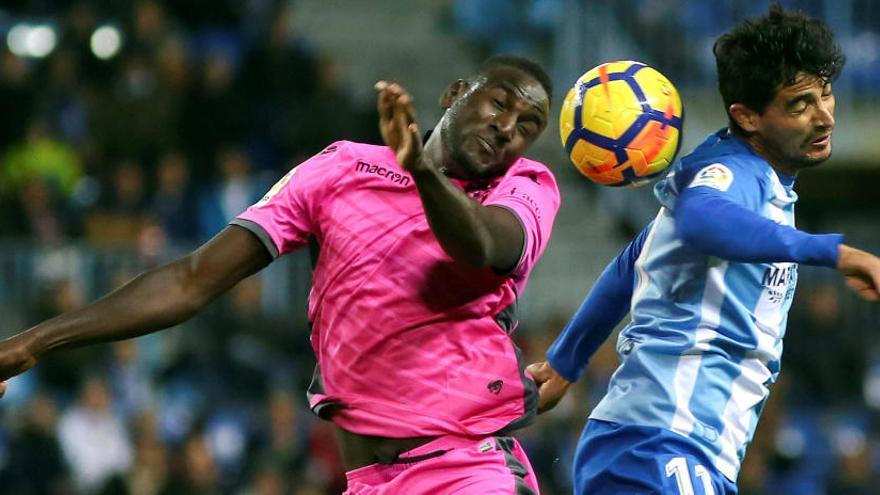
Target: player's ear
745,117
453,92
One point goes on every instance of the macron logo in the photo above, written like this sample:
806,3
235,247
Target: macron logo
389,174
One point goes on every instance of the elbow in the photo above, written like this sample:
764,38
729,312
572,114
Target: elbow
488,254
479,257
475,252
483,255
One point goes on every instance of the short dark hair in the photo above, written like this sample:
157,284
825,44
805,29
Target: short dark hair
524,64
759,55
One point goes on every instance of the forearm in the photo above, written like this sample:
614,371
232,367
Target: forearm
462,226
150,302
604,307
723,229
155,300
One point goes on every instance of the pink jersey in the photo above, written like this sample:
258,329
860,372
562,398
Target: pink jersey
408,341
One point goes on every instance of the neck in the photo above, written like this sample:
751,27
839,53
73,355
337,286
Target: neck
755,143
436,155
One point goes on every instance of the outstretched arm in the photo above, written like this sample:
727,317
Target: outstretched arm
717,226
154,300
735,233
605,306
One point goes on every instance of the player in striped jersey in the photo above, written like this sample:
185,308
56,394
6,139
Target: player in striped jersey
709,282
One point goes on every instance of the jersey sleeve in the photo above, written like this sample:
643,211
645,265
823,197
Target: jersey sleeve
286,216
717,226
717,213
738,182
605,306
533,197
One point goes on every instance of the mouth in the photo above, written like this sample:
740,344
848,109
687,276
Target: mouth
487,146
821,141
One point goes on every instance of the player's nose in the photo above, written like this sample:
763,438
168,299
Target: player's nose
825,115
504,125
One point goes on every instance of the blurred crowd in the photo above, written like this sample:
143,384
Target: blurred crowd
201,109
150,151
112,164
673,35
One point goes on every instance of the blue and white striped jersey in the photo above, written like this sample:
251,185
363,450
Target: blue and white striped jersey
711,282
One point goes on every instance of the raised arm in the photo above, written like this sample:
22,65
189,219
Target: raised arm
154,300
479,235
484,236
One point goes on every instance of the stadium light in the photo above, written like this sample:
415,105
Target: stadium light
106,42
16,39
35,41
41,40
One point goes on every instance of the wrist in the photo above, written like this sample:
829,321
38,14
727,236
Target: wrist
568,375
844,256
560,376
817,249
423,167
31,342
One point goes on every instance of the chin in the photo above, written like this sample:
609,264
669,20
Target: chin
473,168
810,162
488,171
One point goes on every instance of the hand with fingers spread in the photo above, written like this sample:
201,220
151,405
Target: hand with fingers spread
551,385
397,123
861,271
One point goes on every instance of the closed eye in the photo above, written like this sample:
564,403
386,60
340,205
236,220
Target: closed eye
527,129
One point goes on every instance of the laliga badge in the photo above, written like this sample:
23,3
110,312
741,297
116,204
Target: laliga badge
716,176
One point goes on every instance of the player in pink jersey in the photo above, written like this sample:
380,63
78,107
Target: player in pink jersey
423,247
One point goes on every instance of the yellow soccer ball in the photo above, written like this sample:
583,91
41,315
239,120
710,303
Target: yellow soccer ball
621,123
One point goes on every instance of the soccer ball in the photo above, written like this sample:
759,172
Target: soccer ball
621,124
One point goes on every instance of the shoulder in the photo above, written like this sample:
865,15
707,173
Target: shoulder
720,173
528,183
533,170
354,151
342,156
721,164
721,167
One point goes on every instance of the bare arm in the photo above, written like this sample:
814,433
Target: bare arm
469,232
154,300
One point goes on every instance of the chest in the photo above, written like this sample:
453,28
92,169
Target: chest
377,208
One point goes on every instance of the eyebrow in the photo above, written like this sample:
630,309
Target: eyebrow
516,90
805,97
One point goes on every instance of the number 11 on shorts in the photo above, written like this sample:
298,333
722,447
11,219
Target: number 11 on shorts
677,467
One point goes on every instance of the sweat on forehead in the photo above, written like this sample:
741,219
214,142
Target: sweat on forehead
514,68
514,80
